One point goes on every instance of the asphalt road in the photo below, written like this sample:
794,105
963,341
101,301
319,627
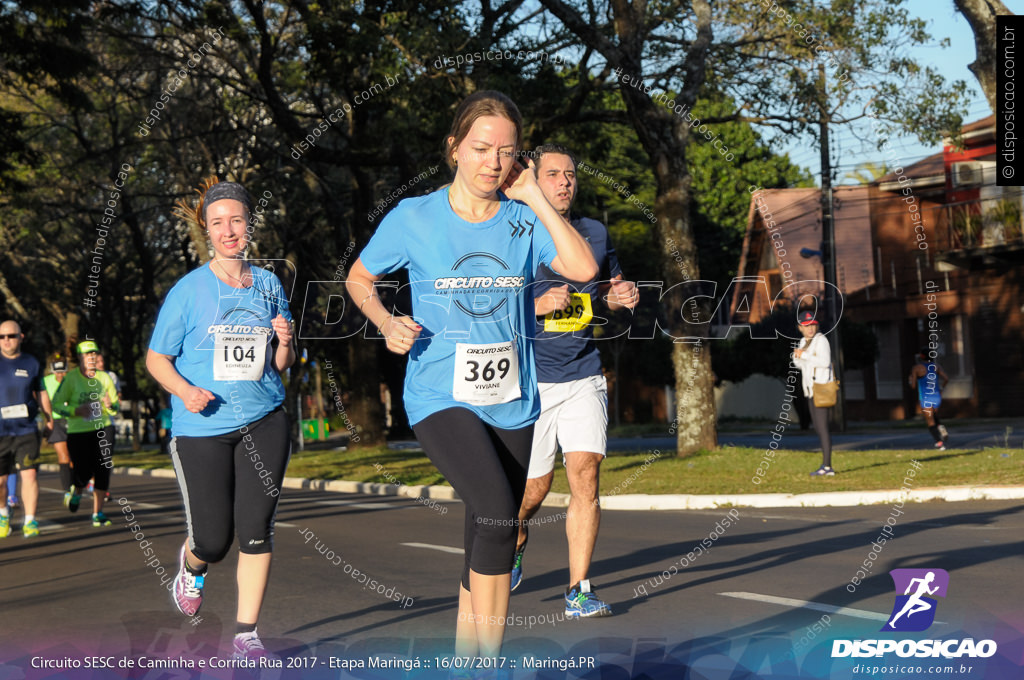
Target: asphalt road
770,580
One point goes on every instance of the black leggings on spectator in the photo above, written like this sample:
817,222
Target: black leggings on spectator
819,416
487,467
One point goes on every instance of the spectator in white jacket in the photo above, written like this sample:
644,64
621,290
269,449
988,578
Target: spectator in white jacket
813,357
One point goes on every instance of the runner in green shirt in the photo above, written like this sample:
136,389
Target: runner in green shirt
87,399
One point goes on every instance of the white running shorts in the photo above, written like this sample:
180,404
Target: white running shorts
573,416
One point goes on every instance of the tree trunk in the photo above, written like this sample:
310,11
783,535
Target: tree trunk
365,410
665,137
695,416
69,325
981,15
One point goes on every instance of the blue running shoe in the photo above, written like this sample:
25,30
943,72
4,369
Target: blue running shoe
517,566
824,471
581,602
72,498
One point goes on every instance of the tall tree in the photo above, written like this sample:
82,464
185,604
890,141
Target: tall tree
624,41
981,15
768,59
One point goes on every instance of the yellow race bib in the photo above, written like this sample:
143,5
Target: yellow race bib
575,317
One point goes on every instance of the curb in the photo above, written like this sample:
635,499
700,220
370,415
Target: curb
833,499
811,500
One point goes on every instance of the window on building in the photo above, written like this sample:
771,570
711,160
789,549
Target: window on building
888,371
853,385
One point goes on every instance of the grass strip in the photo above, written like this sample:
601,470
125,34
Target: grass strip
728,470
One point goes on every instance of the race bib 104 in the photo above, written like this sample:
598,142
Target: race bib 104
238,356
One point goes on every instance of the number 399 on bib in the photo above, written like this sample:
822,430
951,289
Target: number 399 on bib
486,374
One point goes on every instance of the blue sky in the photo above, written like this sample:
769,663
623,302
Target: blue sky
945,22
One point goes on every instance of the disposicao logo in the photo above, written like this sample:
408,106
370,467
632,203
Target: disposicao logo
914,611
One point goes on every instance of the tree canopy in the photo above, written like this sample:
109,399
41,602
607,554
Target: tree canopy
331,112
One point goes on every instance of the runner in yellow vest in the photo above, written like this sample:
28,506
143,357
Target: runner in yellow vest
59,434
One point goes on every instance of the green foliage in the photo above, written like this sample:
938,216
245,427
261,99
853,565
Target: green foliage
772,59
867,172
721,196
77,79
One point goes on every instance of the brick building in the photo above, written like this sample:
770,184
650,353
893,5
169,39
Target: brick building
930,253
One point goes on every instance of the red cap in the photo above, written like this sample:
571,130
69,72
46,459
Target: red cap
807,319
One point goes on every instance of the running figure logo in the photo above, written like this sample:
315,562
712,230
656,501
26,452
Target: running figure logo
914,610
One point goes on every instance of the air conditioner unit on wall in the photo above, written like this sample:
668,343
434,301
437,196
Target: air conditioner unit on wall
968,174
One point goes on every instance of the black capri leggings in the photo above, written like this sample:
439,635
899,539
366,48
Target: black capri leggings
487,468
819,416
91,456
233,481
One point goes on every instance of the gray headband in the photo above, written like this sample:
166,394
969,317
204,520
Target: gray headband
222,190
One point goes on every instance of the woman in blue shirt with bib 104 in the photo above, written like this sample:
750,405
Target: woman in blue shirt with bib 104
471,250
212,350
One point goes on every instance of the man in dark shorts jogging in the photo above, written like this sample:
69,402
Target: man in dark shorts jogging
21,396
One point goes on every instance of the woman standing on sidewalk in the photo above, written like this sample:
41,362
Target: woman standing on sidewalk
470,387
212,350
814,359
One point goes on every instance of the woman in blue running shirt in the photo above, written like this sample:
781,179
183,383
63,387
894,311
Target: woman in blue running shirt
471,250
212,350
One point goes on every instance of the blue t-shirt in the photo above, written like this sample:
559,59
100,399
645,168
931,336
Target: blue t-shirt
929,392
469,288
19,381
218,335
564,347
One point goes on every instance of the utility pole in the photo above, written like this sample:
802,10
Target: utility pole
828,250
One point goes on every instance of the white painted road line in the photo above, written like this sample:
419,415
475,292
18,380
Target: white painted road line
442,548
815,606
48,527
386,505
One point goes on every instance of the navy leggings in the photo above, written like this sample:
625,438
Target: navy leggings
232,482
487,467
